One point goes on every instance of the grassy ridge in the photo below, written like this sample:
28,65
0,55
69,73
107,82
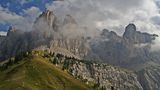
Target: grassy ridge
38,74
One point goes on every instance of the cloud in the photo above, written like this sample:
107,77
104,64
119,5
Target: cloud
7,16
156,20
23,21
32,11
22,2
29,16
2,33
106,13
142,45
156,45
112,14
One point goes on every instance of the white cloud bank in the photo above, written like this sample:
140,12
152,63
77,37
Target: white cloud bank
7,16
112,14
2,33
109,13
23,21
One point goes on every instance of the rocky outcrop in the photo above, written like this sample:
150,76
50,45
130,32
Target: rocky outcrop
15,42
104,75
134,36
69,20
110,35
97,75
46,33
149,77
47,17
2,38
108,47
131,49
52,35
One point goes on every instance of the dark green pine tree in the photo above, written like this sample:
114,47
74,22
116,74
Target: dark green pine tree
55,61
66,65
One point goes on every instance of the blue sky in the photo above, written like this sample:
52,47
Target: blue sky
19,6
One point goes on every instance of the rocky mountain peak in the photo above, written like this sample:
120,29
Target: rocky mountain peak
130,32
134,36
47,14
105,32
131,27
111,35
69,20
48,17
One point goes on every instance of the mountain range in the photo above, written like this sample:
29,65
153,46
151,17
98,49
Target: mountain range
131,51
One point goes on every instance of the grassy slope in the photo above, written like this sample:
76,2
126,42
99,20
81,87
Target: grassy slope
38,74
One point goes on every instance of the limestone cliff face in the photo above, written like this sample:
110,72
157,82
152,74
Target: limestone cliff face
77,46
106,76
13,43
69,20
48,33
134,36
2,38
131,49
149,77
47,17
